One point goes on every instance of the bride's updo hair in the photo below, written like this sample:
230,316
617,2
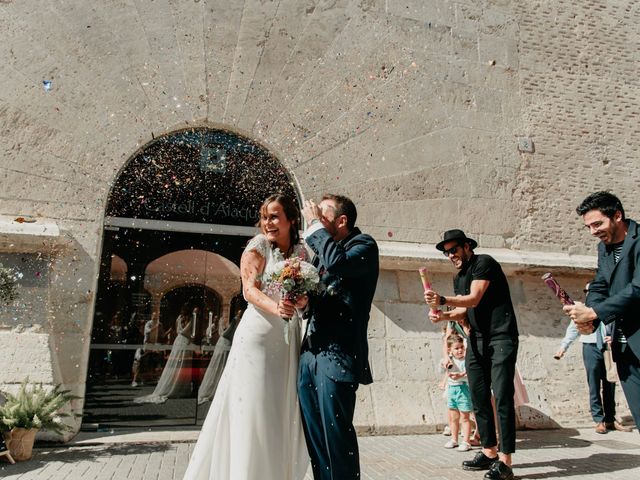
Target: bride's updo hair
291,211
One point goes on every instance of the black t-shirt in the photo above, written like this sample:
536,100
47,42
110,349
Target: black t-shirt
494,316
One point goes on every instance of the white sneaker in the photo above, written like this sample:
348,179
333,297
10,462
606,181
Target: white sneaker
464,447
447,431
451,444
134,384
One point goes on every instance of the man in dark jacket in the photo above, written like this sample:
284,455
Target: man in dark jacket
334,352
614,295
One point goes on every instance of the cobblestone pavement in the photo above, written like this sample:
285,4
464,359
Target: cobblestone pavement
581,454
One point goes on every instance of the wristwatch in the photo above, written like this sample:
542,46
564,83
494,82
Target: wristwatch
443,300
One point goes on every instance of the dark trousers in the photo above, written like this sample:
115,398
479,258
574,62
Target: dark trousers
628,367
603,406
327,416
491,364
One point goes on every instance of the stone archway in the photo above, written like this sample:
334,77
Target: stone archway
178,216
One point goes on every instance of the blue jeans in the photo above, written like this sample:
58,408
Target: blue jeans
603,407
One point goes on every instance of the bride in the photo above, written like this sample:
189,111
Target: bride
253,430
172,382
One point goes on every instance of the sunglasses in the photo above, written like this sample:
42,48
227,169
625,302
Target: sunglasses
451,251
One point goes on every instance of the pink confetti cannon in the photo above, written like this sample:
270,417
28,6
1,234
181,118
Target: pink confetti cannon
425,281
558,291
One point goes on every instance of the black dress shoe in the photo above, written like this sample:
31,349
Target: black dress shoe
499,471
479,462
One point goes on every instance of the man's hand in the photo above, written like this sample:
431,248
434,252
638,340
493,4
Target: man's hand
585,328
580,313
432,298
559,354
582,316
435,316
311,211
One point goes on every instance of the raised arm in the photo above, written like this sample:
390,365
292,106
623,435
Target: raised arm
359,259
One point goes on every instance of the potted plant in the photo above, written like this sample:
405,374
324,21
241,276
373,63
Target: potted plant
33,408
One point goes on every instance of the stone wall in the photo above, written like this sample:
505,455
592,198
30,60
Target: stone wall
496,116
405,350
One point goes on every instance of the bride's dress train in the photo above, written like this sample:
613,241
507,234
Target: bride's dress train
173,383
253,430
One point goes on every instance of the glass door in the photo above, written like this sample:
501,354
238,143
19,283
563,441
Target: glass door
159,314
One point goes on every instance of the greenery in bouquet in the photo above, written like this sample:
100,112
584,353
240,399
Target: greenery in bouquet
8,292
36,407
293,278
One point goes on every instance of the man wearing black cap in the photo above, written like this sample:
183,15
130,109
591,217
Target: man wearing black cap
482,296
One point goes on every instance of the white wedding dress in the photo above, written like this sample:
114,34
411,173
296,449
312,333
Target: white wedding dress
173,383
218,361
253,430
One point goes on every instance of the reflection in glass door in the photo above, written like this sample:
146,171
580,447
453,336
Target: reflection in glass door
157,322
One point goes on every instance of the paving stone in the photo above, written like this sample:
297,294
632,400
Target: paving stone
551,454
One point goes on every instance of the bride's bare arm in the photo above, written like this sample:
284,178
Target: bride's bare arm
251,267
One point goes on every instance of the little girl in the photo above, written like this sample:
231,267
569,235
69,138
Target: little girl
458,395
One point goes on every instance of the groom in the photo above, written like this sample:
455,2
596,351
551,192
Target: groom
334,352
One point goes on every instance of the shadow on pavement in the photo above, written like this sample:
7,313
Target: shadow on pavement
569,467
560,438
66,454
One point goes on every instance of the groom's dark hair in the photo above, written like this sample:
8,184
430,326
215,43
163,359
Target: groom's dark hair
344,206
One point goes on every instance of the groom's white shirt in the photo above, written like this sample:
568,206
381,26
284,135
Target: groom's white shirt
313,228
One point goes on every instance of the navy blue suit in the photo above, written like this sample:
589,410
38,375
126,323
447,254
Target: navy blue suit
334,352
615,297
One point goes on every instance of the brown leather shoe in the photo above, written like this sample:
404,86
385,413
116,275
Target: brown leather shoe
617,426
601,428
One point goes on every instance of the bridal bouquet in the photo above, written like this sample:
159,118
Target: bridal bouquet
291,279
